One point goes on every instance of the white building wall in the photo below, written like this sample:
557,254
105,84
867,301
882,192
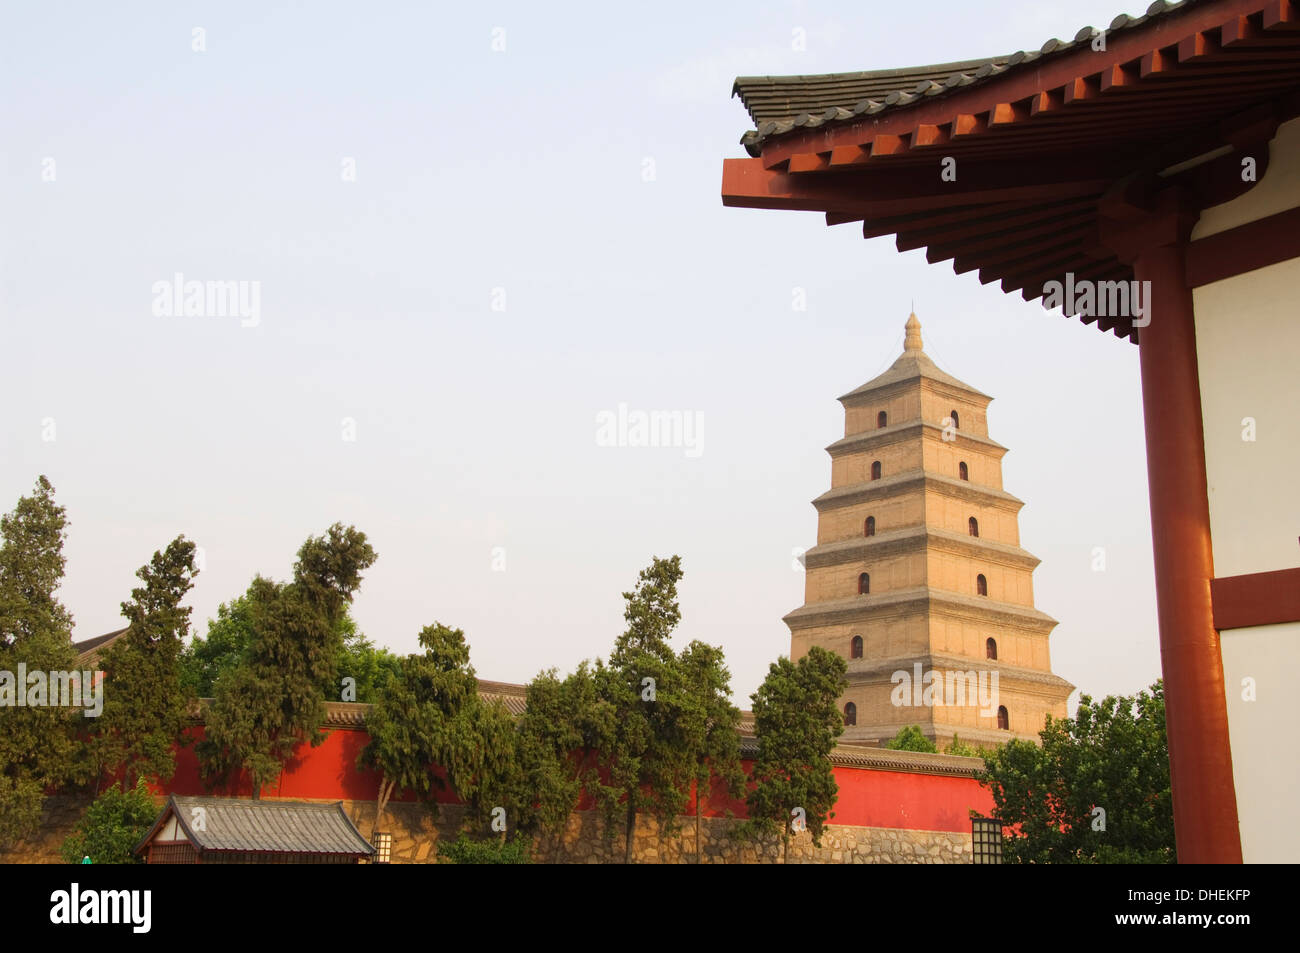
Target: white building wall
1248,351
1263,734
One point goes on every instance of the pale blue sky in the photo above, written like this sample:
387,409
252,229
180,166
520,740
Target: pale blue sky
520,170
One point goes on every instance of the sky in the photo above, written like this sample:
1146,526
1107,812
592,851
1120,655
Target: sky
473,230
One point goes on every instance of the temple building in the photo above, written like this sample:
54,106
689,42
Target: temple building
918,578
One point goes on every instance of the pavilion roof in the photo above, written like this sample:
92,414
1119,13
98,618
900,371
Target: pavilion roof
1046,146
781,104
89,651
235,824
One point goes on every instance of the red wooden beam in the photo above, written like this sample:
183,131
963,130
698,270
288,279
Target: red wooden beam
887,144
809,162
1281,15
897,224
966,124
928,232
1256,244
929,135
898,191
849,155
1261,598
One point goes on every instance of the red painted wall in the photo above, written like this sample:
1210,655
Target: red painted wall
868,797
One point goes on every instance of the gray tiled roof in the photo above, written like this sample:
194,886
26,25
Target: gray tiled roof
513,697
782,98
295,827
783,104
90,650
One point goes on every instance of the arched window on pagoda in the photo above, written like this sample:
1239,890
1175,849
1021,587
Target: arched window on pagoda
990,648
855,647
962,471
875,470
864,584
956,421
981,585
870,528
1004,720
974,526
850,713
882,419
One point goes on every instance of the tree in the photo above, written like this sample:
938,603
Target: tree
112,826
271,703
911,738
565,725
467,850
430,714
796,720
360,659
481,762
711,724
205,660
1097,791
963,750
229,635
38,744
647,763
145,712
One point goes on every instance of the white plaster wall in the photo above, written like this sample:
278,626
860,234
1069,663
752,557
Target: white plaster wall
1277,191
1248,352
1265,738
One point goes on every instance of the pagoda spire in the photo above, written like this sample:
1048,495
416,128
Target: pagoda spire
912,340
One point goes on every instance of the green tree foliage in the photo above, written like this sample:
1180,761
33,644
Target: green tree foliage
911,738
1112,755
797,721
38,745
112,825
647,765
271,702
468,850
205,661
430,713
564,727
145,703
361,659
710,728
961,749
229,635
482,765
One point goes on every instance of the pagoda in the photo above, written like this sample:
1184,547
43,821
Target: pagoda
918,579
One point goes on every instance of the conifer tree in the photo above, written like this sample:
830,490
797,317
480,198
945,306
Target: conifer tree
145,702
711,724
648,764
225,647
272,701
565,725
430,714
38,745
796,720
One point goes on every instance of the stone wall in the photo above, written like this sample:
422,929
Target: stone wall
416,836
59,815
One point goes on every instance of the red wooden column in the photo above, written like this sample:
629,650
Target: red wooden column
1200,758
